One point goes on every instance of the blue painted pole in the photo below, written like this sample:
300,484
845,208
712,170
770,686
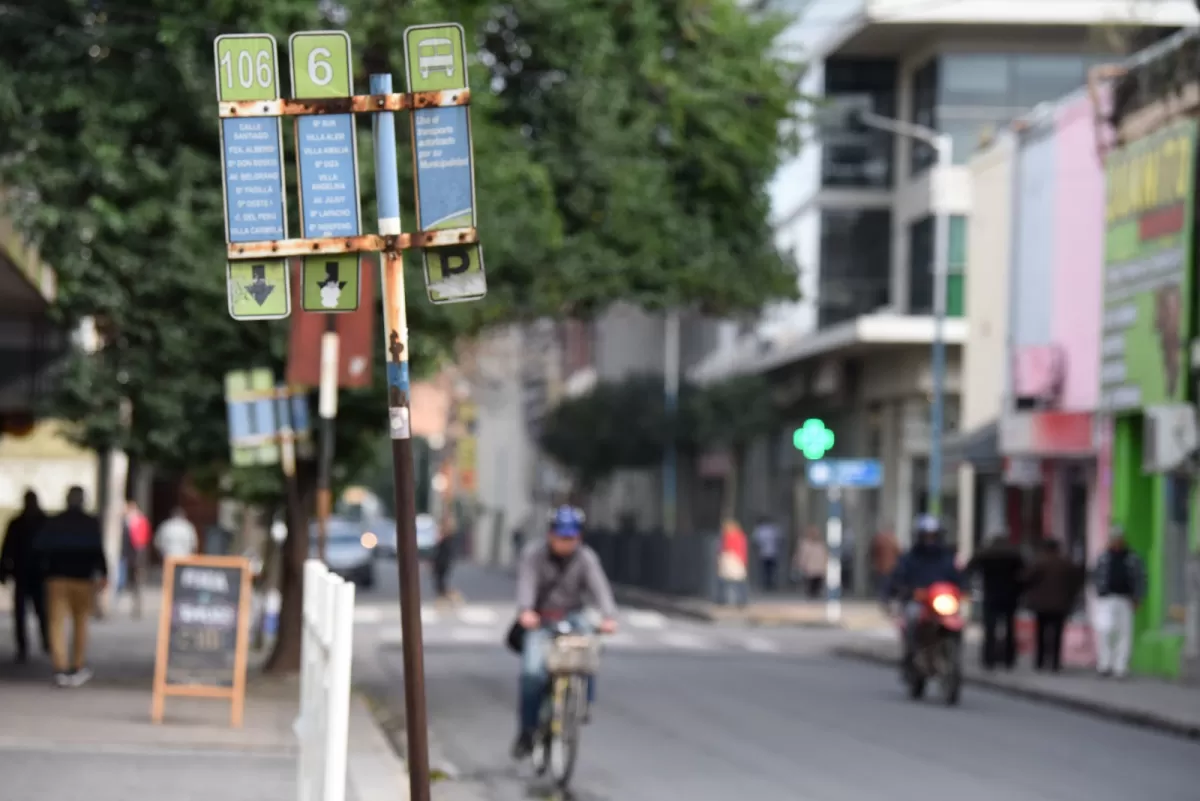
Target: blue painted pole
833,564
387,179
395,331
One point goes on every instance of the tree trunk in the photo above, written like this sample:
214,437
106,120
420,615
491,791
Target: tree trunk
732,481
285,658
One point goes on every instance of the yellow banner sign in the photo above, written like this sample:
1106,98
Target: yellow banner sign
1151,173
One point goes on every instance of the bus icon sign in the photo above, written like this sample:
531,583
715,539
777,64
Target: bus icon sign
435,55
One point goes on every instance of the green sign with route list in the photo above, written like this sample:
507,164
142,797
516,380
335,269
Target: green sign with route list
327,169
443,161
252,175
1148,307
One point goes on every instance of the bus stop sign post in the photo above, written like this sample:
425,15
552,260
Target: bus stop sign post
444,171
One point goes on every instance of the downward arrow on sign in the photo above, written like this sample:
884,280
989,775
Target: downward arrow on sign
259,289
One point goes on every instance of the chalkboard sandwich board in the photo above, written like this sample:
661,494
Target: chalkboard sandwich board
203,632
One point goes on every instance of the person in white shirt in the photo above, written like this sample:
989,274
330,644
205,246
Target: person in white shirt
176,536
767,539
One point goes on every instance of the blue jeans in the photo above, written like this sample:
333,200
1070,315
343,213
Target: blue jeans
533,671
733,593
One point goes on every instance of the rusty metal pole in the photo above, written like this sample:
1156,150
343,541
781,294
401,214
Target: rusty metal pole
395,328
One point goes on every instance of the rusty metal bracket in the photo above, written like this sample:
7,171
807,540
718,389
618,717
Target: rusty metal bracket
370,243
359,104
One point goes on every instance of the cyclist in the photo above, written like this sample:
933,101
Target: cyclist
554,579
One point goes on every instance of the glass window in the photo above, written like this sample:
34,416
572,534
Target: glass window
969,128
856,259
860,158
1042,78
920,266
924,112
976,79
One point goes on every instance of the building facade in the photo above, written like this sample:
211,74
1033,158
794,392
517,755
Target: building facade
857,208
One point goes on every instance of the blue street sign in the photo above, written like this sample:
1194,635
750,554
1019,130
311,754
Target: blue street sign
253,154
845,473
328,175
435,61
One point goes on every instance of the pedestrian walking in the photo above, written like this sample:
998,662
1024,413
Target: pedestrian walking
218,540
1052,584
69,551
1120,582
884,553
767,537
443,558
812,560
17,563
134,563
176,536
1001,567
732,561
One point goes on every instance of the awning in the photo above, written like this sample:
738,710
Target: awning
1048,435
979,446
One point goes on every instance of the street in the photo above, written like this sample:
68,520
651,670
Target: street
708,713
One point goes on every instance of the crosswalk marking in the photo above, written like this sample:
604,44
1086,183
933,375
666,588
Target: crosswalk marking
683,640
761,645
646,620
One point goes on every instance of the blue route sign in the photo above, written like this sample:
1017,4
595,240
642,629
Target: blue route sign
251,415
864,473
327,166
328,175
253,180
435,61
252,175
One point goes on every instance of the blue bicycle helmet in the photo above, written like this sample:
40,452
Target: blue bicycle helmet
566,521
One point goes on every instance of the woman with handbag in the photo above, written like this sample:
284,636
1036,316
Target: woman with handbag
731,564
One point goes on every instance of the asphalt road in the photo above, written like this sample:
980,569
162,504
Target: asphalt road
689,710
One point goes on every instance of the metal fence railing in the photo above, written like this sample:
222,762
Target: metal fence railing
683,565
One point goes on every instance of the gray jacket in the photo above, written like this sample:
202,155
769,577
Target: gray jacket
582,579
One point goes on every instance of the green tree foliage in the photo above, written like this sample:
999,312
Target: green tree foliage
622,153
624,424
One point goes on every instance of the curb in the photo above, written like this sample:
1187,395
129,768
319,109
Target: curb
1135,717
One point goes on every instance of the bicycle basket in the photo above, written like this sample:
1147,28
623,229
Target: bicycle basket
573,654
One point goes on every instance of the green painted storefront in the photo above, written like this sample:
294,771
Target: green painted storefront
1139,504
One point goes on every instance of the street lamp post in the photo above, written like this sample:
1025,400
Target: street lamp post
944,149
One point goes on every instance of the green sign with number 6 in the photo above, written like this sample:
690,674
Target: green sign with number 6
320,64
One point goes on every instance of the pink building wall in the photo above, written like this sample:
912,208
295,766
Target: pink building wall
1078,291
1078,251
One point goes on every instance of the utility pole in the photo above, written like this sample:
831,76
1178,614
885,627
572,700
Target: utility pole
944,148
671,401
327,409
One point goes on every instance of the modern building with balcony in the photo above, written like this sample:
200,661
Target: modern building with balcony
858,208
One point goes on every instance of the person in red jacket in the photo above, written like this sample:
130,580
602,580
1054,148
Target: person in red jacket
133,554
732,561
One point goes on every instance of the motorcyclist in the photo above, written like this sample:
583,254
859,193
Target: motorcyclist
929,561
555,578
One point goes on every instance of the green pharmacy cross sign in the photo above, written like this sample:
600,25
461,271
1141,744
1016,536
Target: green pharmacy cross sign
813,439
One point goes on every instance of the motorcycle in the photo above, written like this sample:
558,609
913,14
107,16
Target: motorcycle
938,640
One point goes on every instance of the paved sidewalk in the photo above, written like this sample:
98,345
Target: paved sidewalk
785,611
97,741
1167,706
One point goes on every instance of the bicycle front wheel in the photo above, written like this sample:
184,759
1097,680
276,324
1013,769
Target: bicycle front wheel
566,748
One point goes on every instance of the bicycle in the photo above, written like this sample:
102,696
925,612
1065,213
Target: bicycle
571,658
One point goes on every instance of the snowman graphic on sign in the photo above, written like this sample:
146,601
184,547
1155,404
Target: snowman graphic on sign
331,287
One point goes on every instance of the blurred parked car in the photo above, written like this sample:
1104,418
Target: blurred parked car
349,551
